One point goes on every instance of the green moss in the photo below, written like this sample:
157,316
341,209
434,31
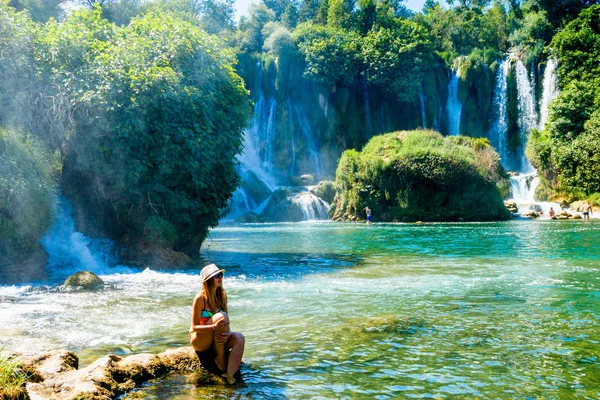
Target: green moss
421,175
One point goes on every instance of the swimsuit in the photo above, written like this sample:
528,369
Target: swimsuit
205,316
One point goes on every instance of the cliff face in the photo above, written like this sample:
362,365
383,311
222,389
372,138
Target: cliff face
301,126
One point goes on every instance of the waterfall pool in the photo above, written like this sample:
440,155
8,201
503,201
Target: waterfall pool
341,310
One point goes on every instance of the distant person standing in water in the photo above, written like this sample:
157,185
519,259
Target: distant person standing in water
551,213
369,216
210,336
587,210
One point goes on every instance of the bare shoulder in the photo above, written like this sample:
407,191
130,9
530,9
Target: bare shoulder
198,299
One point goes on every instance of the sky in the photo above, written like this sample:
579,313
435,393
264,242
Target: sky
241,6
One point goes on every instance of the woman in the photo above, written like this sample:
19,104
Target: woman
210,325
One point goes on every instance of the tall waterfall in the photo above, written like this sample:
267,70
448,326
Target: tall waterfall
454,106
306,130
550,84
422,100
527,114
498,134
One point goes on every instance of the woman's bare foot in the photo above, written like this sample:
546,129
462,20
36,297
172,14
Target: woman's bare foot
229,378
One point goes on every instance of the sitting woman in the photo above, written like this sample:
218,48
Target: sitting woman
209,332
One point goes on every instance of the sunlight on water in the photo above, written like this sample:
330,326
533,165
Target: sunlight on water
334,310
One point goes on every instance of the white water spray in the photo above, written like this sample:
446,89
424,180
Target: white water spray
550,84
498,133
454,106
527,114
313,207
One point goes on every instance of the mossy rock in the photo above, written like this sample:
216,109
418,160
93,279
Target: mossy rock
421,176
325,190
84,280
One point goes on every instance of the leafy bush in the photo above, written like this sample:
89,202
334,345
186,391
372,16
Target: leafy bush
26,187
405,176
566,152
159,121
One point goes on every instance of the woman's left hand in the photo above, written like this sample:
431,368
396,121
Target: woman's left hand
222,338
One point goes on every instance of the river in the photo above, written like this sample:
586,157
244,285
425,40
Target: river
341,310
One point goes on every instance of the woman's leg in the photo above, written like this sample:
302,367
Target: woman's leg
201,342
236,343
221,359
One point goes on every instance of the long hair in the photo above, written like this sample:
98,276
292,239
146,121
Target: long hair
214,298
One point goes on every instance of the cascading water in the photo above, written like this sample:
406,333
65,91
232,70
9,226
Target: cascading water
454,106
313,208
422,100
70,251
550,85
499,132
306,130
527,114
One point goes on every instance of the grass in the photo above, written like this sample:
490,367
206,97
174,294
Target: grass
12,379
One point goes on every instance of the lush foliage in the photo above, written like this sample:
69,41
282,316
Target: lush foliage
421,175
148,118
567,150
26,187
159,118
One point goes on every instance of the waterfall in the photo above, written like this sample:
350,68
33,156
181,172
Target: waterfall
367,108
522,192
70,251
454,106
527,115
422,100
313,152
498,133
522,187
292,139
313,208
550,85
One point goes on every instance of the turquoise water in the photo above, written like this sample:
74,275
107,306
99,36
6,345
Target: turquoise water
421,311
335,310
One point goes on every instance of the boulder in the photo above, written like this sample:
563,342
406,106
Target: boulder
577,216
84,280
146,256
511,206
250,218
105,378
531,214
325,190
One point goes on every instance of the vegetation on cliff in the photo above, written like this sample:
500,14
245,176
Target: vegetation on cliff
421,175
26,194
147,117
567,151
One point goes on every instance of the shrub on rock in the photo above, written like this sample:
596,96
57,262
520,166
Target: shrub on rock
421,175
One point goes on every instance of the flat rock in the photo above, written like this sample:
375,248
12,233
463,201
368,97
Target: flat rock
106,378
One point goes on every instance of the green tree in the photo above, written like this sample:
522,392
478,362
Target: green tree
40,10
566,151
394,58
249,35
158,125
331,54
